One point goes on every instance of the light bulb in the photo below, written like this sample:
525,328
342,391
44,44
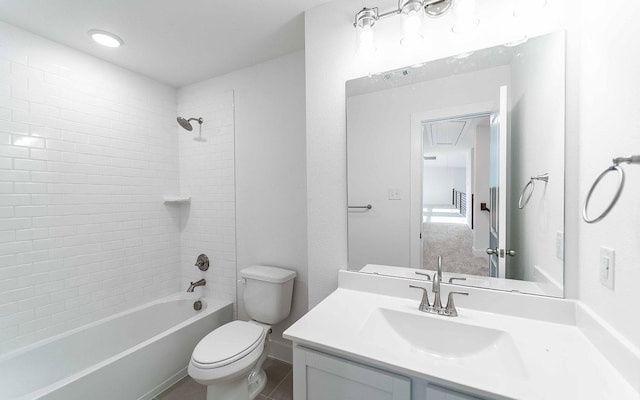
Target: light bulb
411,23
366,41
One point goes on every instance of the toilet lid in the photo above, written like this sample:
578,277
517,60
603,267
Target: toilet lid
228,343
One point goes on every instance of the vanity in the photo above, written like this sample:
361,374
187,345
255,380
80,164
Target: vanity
368,340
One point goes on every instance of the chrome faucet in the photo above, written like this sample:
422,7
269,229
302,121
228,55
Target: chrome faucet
435,287
436,308
193,285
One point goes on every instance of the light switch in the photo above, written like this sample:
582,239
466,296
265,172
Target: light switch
394,194
607,266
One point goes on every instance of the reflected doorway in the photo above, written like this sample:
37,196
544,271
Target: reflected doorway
455,181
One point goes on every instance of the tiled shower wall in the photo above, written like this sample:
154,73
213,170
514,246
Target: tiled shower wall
87,150
207,175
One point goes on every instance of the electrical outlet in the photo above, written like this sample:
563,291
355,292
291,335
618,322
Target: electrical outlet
607,266
394,194
560,245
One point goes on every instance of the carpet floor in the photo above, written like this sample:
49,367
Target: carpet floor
445,233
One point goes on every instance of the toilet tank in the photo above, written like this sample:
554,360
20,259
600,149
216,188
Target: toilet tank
267,293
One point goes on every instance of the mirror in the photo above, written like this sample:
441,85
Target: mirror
462,157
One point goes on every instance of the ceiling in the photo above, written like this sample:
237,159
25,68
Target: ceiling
453,155
175,42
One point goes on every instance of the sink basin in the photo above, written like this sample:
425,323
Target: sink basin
444,339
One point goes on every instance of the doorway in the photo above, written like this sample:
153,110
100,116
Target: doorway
455,177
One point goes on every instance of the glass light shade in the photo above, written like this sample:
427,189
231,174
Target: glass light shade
464,15
411,24
365,40
105,38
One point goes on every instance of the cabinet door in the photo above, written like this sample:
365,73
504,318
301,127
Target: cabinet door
440,393
318,376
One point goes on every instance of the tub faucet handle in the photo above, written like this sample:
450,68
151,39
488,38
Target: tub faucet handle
202,262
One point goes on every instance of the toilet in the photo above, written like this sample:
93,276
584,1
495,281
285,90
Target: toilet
229,359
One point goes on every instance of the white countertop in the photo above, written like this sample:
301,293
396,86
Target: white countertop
550,360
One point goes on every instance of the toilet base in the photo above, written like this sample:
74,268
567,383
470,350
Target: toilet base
232,390
258,384
241,389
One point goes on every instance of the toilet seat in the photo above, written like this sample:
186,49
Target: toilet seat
227,353
228,344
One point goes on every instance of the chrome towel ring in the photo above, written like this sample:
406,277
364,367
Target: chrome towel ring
531,183
615,167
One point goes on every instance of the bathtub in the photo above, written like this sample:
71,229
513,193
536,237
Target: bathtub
135,354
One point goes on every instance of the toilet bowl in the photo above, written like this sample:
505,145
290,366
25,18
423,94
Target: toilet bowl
229,359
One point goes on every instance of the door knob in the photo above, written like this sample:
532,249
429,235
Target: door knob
492,251
511,253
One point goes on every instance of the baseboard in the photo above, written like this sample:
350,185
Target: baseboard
281,351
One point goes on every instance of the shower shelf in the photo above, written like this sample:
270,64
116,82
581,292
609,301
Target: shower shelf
176,199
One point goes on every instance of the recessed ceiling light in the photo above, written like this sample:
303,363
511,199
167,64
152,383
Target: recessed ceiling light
105,38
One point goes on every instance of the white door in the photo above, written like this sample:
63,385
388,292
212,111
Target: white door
499,203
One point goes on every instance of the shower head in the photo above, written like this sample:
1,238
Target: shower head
186,123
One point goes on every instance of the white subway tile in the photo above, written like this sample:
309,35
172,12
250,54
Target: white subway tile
14,152
31,234
28,141
30,211
29,165
30,187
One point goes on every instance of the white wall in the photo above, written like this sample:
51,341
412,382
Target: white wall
207,175
601,79
438,183
537,144
270,171
609,127
87,150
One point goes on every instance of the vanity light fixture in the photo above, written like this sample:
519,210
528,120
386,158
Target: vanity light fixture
412,13
365,35
105,38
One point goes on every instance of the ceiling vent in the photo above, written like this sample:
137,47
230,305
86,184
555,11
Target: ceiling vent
445,133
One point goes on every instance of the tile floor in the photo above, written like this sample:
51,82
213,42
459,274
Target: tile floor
279,385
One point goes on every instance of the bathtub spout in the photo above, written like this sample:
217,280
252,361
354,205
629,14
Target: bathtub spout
193,285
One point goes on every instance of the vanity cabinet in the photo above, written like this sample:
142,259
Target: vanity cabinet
320,376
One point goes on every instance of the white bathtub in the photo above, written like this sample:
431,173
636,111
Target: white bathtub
132,355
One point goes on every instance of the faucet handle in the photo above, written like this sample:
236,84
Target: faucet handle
450,309
424,303
202,262
453,278
424,274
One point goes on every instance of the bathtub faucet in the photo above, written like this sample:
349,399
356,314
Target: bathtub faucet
193,285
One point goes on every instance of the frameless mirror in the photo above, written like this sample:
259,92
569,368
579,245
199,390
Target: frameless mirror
462,157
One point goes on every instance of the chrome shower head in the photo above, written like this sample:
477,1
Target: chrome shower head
186,123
